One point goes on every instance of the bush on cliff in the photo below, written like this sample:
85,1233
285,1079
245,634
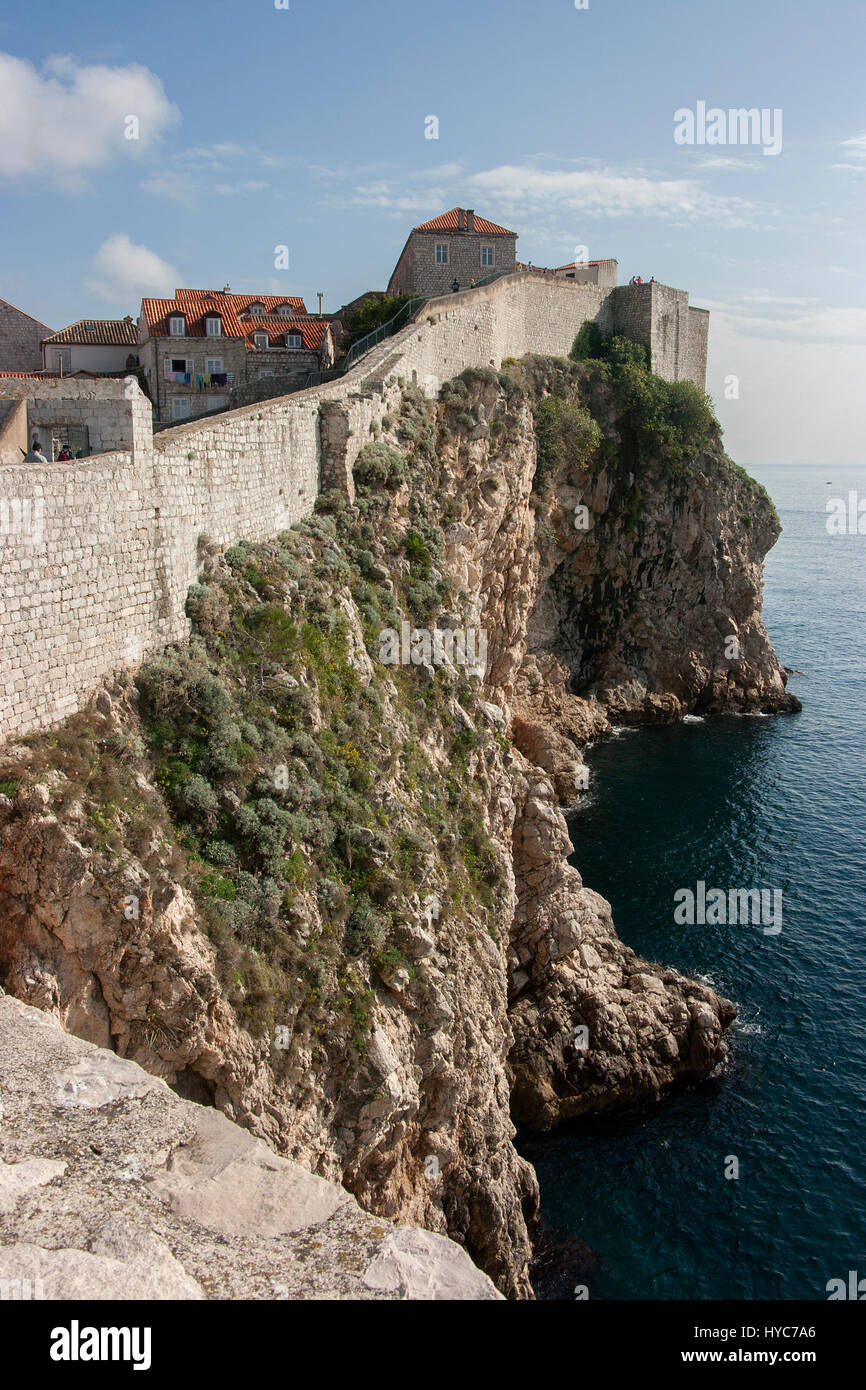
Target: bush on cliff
378,465
565,432
588,342
671,420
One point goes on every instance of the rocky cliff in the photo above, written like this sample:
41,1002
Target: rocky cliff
111,1187
328,892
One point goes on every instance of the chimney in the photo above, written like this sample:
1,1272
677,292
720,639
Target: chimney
460,219
227,289
470,219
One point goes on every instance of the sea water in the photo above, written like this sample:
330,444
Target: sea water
775,803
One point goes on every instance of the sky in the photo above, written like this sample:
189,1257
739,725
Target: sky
144,147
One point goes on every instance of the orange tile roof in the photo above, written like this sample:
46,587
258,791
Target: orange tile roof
572,265
312,331
101,332
196,305
449,222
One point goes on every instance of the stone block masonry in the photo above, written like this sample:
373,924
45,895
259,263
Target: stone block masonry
97,556
118,415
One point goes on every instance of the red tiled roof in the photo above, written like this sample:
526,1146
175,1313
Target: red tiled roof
312,331
196,305
572,265
271,302
449,222
38,375
100,332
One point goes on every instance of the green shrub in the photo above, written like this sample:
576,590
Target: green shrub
671,420
178,685
622,352
220,852
566,433
372,314
588,342
199,797
366,927
378,465
215,886
274,629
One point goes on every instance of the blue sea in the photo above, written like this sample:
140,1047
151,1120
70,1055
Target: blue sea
751,802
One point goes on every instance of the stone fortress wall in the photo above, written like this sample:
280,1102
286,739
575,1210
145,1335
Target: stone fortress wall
97,556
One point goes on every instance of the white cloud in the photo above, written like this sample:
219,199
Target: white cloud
611,193
856,144
840,328
764,297
216,156
125,271
439,171
390,195
187,178
799,401
229,190
527,192
855,155
71,118
726,161
174,185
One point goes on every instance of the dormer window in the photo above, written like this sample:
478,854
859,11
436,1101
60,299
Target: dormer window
294,340
285,311
260,340
257,308
213,326
90,328
177,326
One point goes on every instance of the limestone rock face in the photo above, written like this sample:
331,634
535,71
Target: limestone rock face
158,1198
418,1130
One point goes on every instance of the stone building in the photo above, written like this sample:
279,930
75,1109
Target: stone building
197,349
20,340
93,414
92,345
455,246
590,272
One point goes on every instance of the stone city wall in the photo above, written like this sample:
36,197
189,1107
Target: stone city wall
97,556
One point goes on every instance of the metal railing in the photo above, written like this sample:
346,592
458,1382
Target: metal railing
488,279
410,309
386,330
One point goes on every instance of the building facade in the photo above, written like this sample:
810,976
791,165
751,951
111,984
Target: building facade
92,345
197,349
457,246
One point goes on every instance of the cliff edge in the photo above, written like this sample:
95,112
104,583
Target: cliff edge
312,868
